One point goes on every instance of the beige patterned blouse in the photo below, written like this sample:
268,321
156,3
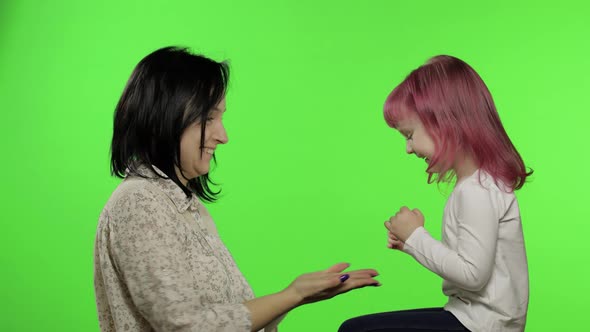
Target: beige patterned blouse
159,264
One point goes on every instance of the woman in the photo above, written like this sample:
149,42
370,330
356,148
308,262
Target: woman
159,262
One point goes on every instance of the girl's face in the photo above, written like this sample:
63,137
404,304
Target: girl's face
418,141
193,161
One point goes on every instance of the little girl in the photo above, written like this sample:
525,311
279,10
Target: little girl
446,113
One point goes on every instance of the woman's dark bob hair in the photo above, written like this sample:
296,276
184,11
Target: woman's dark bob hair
169,90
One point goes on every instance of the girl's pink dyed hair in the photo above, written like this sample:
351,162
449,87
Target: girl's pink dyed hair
457,110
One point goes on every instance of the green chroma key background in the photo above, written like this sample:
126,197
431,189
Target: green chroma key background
311,170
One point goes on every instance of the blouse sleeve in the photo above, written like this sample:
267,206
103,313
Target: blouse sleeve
145,246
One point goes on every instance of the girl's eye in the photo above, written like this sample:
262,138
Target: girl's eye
210,119
409,137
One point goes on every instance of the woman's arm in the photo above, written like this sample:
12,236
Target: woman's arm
308,288
140,246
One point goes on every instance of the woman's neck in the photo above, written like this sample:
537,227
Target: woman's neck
181,178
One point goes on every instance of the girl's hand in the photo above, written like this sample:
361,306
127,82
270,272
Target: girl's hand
393,242
322,285
404,223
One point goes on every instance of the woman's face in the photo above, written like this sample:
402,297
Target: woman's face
195,162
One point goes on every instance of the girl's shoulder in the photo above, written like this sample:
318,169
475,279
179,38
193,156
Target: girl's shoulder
481,180
482,187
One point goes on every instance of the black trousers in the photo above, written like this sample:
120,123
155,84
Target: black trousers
418,320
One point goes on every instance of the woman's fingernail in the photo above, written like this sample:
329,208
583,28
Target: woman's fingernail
344,277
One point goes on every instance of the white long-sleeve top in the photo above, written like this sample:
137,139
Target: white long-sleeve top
481,256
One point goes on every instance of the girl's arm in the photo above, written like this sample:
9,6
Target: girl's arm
469,260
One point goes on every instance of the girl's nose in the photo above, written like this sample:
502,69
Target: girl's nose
409,149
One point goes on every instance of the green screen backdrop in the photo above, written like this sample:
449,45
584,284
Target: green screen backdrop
311,170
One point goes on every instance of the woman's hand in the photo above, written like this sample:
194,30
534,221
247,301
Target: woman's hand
308,288
404,223
322,285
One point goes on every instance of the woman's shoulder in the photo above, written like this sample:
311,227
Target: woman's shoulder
135,195
137,209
